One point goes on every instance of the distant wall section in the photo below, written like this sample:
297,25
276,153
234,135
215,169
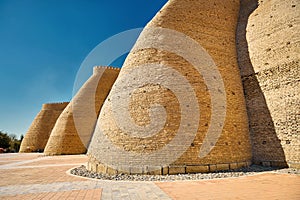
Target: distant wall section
73,129
38,133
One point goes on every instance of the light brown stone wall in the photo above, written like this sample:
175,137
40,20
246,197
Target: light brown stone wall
73,129
38,133
213,25
271,75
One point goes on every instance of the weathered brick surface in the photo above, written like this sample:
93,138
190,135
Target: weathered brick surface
73,129
213,25
39,131
197,168
177,170
271,73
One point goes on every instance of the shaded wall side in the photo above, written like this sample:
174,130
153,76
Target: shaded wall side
271,82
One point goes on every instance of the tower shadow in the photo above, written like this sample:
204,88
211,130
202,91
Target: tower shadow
266,147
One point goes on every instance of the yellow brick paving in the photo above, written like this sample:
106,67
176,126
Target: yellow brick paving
34,176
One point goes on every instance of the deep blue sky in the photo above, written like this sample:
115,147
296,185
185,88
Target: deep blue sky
43,43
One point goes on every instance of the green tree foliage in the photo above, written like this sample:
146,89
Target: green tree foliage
10,142
4,140
21,137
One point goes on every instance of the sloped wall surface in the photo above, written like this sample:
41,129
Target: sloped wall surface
177,105
73,129
38,133
271,82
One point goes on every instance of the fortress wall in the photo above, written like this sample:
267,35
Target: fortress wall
40,129
271,82
114,149
72,131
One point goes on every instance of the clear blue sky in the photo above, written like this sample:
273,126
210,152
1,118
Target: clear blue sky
44,42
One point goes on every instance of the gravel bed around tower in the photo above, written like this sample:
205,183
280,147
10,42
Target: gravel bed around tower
253,169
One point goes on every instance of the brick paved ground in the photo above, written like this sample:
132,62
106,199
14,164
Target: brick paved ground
264,186
34,176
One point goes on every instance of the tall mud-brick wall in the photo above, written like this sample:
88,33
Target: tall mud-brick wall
37,135
73,129
270,31
178,104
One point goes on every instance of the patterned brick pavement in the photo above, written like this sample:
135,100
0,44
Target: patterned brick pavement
34,176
